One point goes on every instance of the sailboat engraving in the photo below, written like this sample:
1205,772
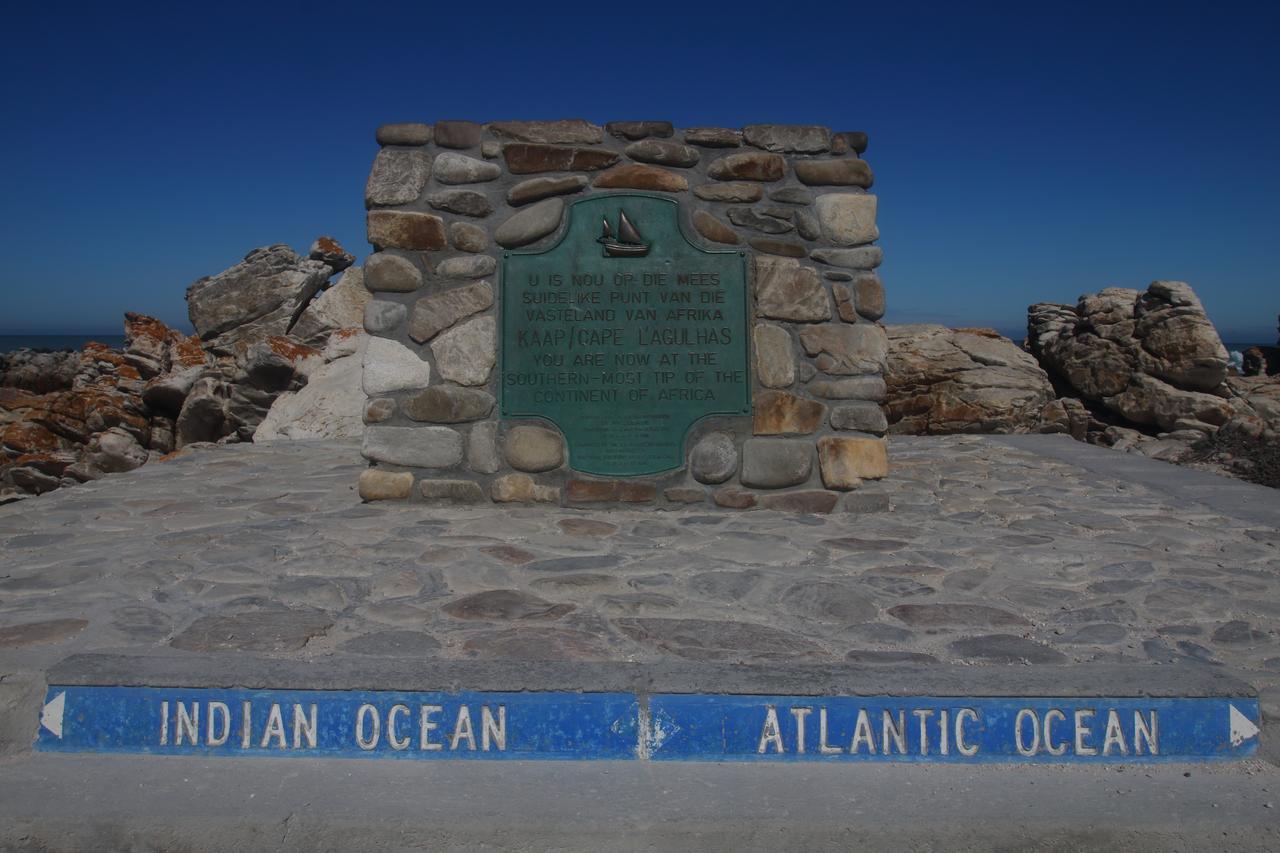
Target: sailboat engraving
628,243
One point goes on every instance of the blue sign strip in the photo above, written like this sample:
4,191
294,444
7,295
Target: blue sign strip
621,726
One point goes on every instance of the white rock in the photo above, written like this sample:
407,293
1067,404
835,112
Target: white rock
330,406
391,366
848,219
465,354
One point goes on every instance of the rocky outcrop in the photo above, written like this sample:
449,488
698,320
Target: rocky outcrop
942,381
263,328
1152,358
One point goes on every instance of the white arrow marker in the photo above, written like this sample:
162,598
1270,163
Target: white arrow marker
1242,728
51,714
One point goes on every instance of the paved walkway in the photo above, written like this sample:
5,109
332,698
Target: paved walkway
995,551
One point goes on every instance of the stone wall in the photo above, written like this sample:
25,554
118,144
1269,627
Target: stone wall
445,201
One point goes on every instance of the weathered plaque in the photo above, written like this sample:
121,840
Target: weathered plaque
624,334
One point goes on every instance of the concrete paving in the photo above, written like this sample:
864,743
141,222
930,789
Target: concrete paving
1023,560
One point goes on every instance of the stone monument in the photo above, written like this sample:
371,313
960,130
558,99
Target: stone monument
630,314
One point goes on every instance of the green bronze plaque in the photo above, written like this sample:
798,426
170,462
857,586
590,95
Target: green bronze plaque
624,334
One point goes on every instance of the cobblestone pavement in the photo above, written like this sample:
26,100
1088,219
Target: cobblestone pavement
990,554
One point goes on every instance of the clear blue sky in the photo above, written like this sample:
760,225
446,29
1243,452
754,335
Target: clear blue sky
1024,152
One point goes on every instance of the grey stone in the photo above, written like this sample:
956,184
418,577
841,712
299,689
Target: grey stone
713,137
465,354
1239,632
775,357
391,366
1004,649
785,290
714,459
114,450
451,168
392,643
748,166
477,266
536,189
382,316
843,349
1095,635
806,226
862,258
639,129
734,191
482,448
502,605
533,448
562,132
888,658
863,416
837,275
39,633
745,217
575,564
855,139
465,202
413,446
869,296
960,615
827,601
490,150
848,219
329,251
713,229
391,273
536,644
449,404
867,498
798,138
774,463
452,492
257,297
791,195
782,248
279,630
663,153
406,133
397,177
457,134
530,224
712,640
854,388
839,173
433,314
466,237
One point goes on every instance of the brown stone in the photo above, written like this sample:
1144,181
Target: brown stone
379,485
834,173
734,191
844,302
713,137
637,176
394,229
449,404
587,527
597,491
713,229
685,495
808,501
433,314
845,350
526,159
856,140
845,461
452,492
785,290
869,296
663,153
379,409
509,554
457,134
783,413
37,633
520,488
748,166
800,138
565,131
732,498
405,133
536,189
778,247
467,237
533,448
639,129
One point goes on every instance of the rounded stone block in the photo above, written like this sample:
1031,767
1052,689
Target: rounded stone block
463,202
713,459
860,416
413,446
848,219
433,314
842,349
637,176
785,290
536,189
391,273
379,409
861,258
713,229
797,138
466,237
731,498
775,463
383,316
466,354
476,266
713,137
520,488
532,223
868,293
379,485
397,177
449,404
845,461
775,359
533,448
452,168
854,388
783,413
834,173
663,153
482,448
391,366
404,133
748,166
734,191
398,229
